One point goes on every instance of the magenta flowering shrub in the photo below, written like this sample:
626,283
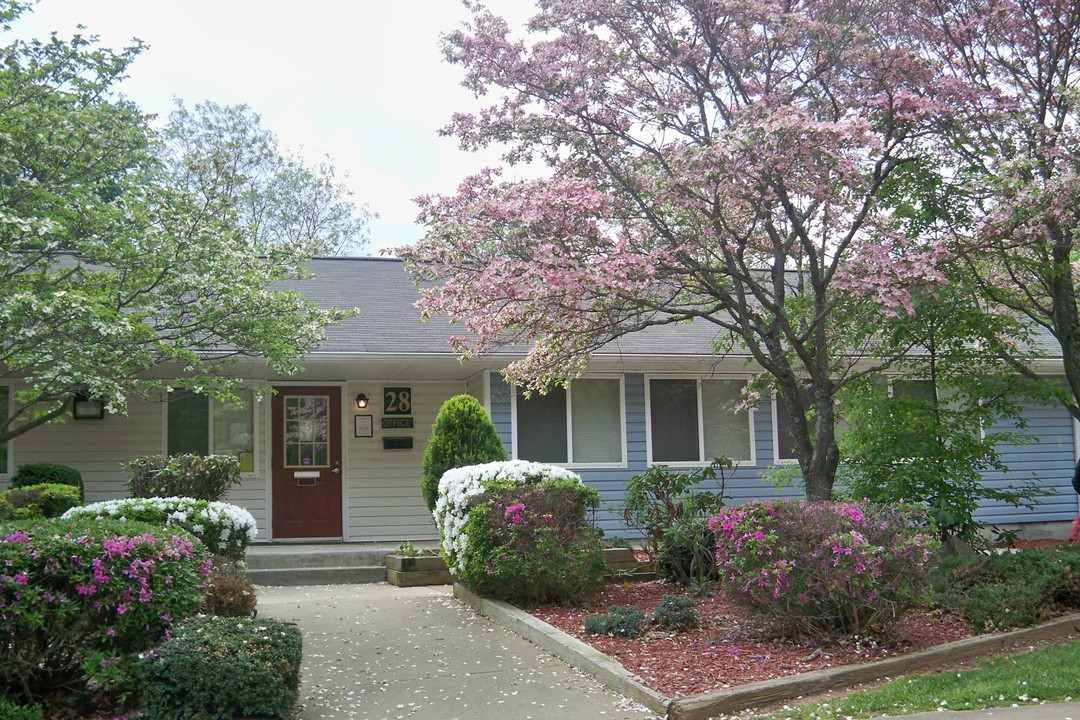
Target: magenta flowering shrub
1074,534
80,599
524,533
823,568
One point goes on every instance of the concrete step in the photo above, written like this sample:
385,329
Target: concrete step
319,564
317,575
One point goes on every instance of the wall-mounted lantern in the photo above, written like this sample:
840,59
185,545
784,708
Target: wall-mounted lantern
361,401
85,408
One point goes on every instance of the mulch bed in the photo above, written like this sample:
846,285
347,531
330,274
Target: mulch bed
730,648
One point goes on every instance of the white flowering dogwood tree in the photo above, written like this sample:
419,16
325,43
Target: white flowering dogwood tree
108,266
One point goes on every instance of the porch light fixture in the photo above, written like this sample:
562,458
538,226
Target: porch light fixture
84,408
361,401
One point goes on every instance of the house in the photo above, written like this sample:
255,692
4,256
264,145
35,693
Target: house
335,453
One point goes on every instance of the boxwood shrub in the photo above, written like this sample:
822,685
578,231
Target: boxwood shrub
36,502
79,599
1000,591
47,473
218,668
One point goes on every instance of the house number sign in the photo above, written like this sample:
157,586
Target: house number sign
397,401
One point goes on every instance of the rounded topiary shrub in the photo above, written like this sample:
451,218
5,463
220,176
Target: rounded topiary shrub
79,599
194,476
218,668
521,532
224,529
47,474
37,502
463,434
824,569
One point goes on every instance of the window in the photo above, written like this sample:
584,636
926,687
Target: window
694,421
578,425
4,410
922,392
196,424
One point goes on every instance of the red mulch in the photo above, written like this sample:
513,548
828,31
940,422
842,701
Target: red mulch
730,648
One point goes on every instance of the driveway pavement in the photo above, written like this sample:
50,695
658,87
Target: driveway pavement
376,651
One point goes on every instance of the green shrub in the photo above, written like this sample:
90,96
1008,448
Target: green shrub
80,598
463,434
224,529
219,668
824,569
229,595
619,621
47,474
36,502
10,711
676,612
670,511
193,476
521,532
1000,591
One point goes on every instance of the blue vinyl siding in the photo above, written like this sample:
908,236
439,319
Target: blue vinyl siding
1049,461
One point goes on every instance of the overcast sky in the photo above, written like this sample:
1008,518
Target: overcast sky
361,80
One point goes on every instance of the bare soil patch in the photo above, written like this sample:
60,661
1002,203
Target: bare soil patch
731,648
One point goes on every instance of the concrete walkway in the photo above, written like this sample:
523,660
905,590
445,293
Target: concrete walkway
375,651
378,651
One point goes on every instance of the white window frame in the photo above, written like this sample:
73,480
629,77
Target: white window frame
777,460
570,427
752,462
211,404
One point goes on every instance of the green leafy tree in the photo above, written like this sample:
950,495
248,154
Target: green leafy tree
216,150
463,434
108,267
931,433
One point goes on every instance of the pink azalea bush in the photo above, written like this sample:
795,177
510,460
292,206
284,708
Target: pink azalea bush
520,532
80,599
824,568
1074,535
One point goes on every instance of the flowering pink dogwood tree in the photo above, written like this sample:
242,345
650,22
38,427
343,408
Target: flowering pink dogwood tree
712,162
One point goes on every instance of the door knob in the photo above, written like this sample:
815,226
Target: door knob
336,471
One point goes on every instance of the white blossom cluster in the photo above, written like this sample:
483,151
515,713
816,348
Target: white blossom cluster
459,486
224,528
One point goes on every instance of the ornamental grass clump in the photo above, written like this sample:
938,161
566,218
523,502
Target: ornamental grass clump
825,569
79,599
521,532
224,529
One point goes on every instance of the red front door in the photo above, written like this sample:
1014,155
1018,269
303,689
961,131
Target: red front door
306,462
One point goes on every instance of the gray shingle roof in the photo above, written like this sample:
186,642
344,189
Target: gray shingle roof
389,323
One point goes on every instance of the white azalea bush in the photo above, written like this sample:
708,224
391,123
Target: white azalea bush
520,531
225,529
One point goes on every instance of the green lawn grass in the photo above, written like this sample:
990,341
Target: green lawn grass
1048,674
